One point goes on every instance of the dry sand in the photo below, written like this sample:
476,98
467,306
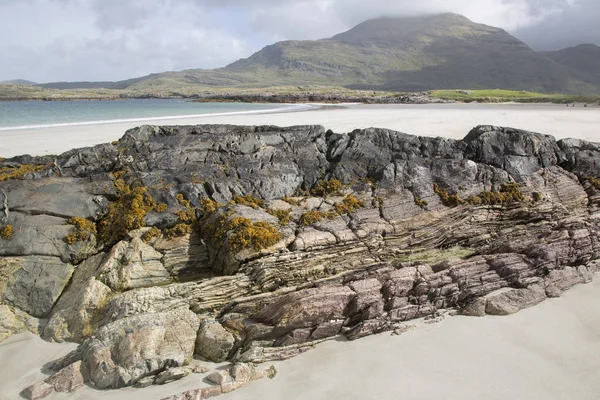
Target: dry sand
548,352
446,120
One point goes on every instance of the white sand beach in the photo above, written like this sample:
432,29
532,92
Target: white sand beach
546,352
445,120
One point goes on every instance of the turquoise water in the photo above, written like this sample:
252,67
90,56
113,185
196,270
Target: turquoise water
40,114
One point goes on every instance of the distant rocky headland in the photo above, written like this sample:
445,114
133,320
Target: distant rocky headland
180,246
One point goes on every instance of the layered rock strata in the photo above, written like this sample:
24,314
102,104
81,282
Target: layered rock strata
251,244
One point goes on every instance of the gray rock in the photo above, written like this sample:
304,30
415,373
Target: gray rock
475,308
510,301
79,310
37,391
220,377
125,351
131,265
69,378
171,375
33,283
560,280
214,342
307,308
63,197
395,259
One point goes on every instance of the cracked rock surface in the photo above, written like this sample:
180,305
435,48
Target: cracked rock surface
487,225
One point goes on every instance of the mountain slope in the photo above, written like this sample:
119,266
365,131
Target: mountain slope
23,82
583,61
445,51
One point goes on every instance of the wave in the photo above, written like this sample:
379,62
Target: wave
294,107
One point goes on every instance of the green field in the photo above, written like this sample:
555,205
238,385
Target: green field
499,96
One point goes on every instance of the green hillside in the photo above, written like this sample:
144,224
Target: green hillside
583,61
445,51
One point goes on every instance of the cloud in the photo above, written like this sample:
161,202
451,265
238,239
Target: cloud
50,40
576,25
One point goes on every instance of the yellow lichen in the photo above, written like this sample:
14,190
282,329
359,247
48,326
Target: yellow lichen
449,200
326,188
127,212
314,216
160,208
178,231
83,229
509,193
291,200
248,201
349,205
421,203
6,232
209,206
183,201
252,235
8,173
283,215
154,232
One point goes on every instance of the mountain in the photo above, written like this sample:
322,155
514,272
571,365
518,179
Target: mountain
23,82
445,51
583,61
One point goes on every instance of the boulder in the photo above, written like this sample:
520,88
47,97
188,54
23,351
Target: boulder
307,308
131,265
559,280
33,283
171,375
79,310
69,378
214,342
510,301
125,351
37,391
220,377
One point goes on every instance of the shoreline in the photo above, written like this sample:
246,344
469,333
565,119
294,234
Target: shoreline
452,120
285,109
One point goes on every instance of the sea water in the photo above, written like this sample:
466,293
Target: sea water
43,114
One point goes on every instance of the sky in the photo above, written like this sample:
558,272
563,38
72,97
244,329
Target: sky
101,40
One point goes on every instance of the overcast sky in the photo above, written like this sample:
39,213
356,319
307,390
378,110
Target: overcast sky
55,40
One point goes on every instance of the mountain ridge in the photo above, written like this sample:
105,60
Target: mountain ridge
443,51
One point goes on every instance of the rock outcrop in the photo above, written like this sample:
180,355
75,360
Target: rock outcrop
251,244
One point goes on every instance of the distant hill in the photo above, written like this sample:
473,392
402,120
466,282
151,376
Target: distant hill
23,82
583,61
445,51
